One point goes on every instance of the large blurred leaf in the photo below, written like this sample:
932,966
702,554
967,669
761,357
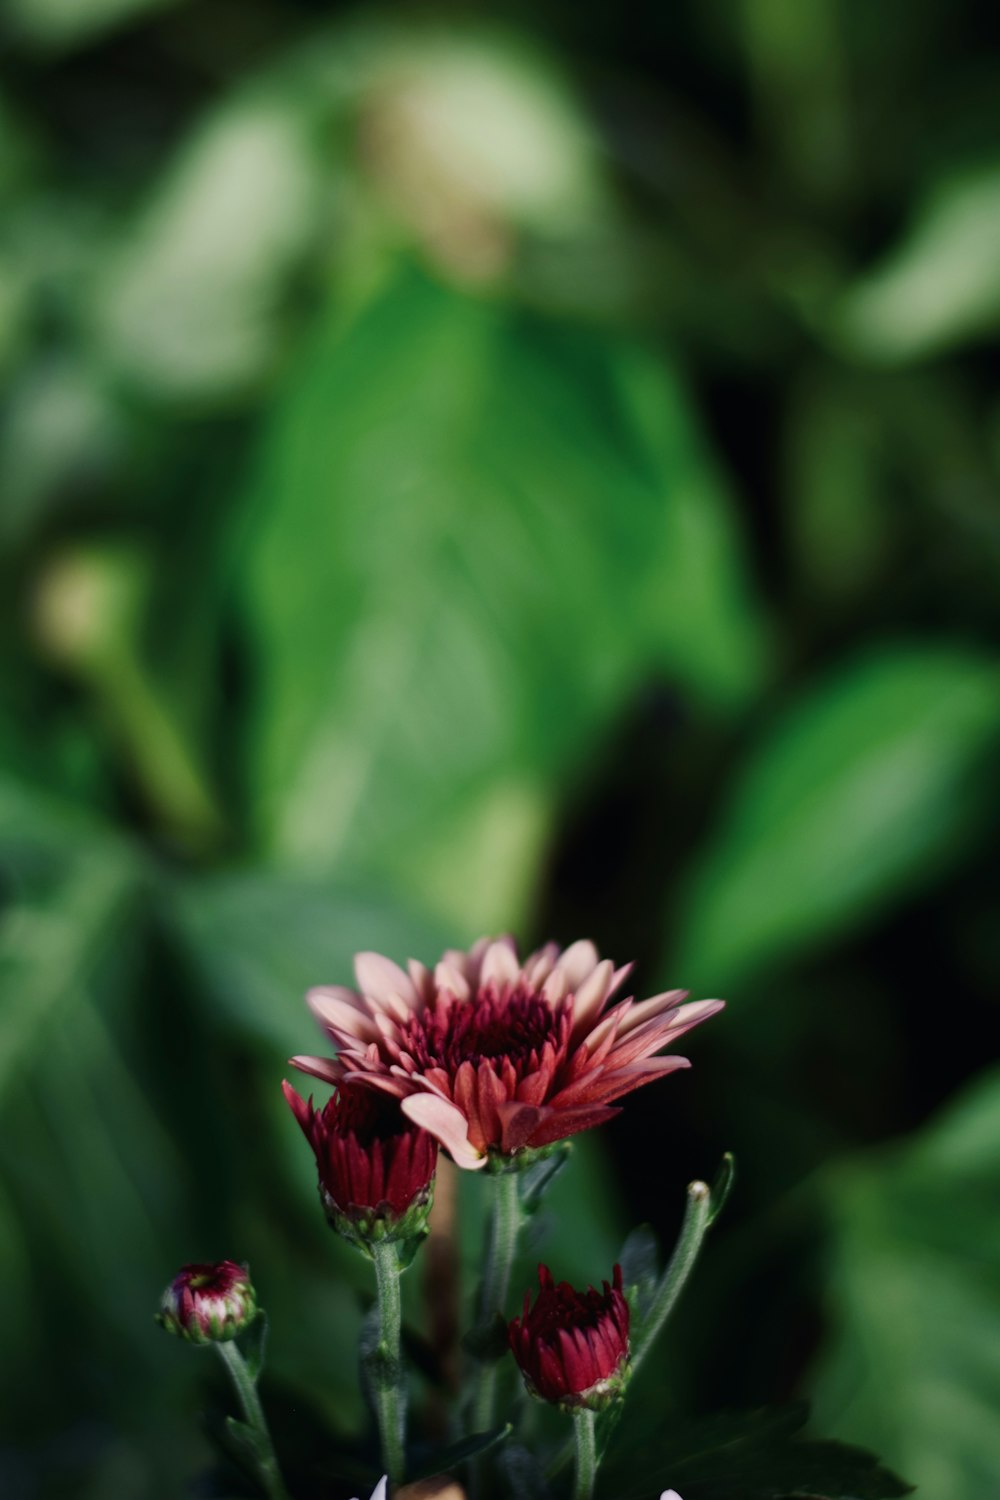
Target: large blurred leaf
261,939
474,533
913,1297
937,288
66,23
860,789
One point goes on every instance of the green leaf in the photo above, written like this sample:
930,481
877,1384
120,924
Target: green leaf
190,305
940,286
912,1298
640,1261
536,1179
441,1460
748,1456
253,1345
861,790
261,939
246,1445
474,533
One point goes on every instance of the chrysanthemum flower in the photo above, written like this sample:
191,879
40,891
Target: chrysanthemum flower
208,1303
496,1057
572,1346
376,1168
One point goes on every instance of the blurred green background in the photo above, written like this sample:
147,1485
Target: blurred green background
543,476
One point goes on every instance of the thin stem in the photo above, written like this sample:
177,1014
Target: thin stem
586,1453
505,1222
268,1472
386,1368
696,1220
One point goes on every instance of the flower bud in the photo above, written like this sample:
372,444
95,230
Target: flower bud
572,1346
376,1168
209,1303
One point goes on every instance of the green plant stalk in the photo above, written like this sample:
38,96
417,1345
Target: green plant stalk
505,1224
268,1472
586,1454
386,1366
689,1241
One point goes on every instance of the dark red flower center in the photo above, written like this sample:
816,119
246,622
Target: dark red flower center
497,1025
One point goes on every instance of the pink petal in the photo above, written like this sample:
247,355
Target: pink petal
332,1008
655,1006
388,1083
590,996
421,977
383,981
447,1124
447,976
579,960
500,965
330,1069
538,965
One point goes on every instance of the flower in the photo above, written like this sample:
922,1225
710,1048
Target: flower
209,1303
667,1495
376,1168
495,1057
572,1346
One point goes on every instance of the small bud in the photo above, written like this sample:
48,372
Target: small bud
208,1303
572,1346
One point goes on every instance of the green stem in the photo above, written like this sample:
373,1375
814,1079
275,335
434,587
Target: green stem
268,1473
696,1222
505,1223
386,1367
586,1454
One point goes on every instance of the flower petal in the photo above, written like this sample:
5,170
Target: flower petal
383,981
579,960
330,1069
589,997
500,965
332,1007
447,1123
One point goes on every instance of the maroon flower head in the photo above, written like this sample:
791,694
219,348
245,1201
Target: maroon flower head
497,1058
572,1346
209,1303
376,1168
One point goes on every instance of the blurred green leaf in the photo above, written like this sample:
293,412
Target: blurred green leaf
475,533
69,23
857,792
758,1455
940,286
261,939
190,307
913,1299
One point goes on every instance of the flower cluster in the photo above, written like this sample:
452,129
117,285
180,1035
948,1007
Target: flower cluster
499,1058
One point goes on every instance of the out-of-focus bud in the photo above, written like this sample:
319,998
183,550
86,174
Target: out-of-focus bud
572,1346
208,1304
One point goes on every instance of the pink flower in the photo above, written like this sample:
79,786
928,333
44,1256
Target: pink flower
208,1303
572,1347
498,1057
376,1168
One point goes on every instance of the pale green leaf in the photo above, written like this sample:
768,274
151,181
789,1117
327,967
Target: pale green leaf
858,791
913,1301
